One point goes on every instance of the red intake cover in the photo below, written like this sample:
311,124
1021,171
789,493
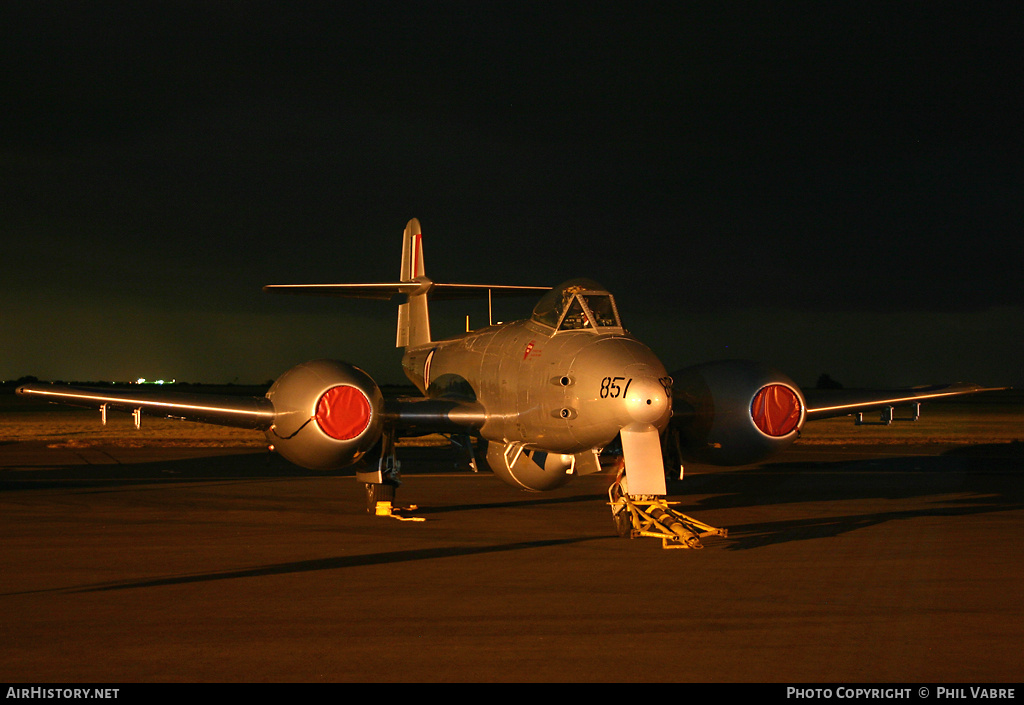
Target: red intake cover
343,412
776,410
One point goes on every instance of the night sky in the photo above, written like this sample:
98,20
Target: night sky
828,188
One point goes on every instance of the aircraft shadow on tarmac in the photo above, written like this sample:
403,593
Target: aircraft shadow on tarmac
319,564
332,563
107,471
244,468
112,472
964,481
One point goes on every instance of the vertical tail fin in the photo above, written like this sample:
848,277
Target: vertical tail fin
413,315
412,252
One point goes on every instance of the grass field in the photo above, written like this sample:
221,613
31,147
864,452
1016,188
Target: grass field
988,418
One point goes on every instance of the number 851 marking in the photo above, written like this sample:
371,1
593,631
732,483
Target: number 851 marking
610,387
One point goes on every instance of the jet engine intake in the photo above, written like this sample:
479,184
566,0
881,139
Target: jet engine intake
734,412
327,414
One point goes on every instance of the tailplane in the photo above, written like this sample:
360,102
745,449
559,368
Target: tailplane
413,315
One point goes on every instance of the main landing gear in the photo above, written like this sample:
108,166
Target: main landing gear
381,485
653,516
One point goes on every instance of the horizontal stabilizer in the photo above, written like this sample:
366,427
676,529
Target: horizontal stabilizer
388,290
383,291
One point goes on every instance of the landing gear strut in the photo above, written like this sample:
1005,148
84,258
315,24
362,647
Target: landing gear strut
653,516
381,484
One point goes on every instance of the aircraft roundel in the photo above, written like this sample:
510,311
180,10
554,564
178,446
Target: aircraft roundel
343,412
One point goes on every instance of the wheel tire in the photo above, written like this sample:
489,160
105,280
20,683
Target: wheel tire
378,493
623,524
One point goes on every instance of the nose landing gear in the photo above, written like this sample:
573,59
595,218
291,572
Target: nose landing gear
654,517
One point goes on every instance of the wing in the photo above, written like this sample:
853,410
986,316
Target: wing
829,403
224,410
409,414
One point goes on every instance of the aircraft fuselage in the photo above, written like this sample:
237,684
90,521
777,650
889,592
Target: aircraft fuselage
564,392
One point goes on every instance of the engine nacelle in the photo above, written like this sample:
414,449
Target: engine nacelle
327,414
526,469
735,412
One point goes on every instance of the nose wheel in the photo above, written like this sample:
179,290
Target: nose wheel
653,516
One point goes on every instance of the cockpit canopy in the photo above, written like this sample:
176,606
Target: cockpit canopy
578,304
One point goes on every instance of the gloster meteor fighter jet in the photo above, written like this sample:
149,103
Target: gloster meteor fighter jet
543,396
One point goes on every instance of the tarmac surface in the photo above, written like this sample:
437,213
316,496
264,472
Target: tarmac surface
897,564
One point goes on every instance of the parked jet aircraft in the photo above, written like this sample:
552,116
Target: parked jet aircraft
544,396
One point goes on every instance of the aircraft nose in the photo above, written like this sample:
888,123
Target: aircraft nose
618,383
646,400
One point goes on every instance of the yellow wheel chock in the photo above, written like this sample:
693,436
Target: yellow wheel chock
386,509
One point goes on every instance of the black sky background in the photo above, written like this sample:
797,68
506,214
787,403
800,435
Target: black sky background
826,187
